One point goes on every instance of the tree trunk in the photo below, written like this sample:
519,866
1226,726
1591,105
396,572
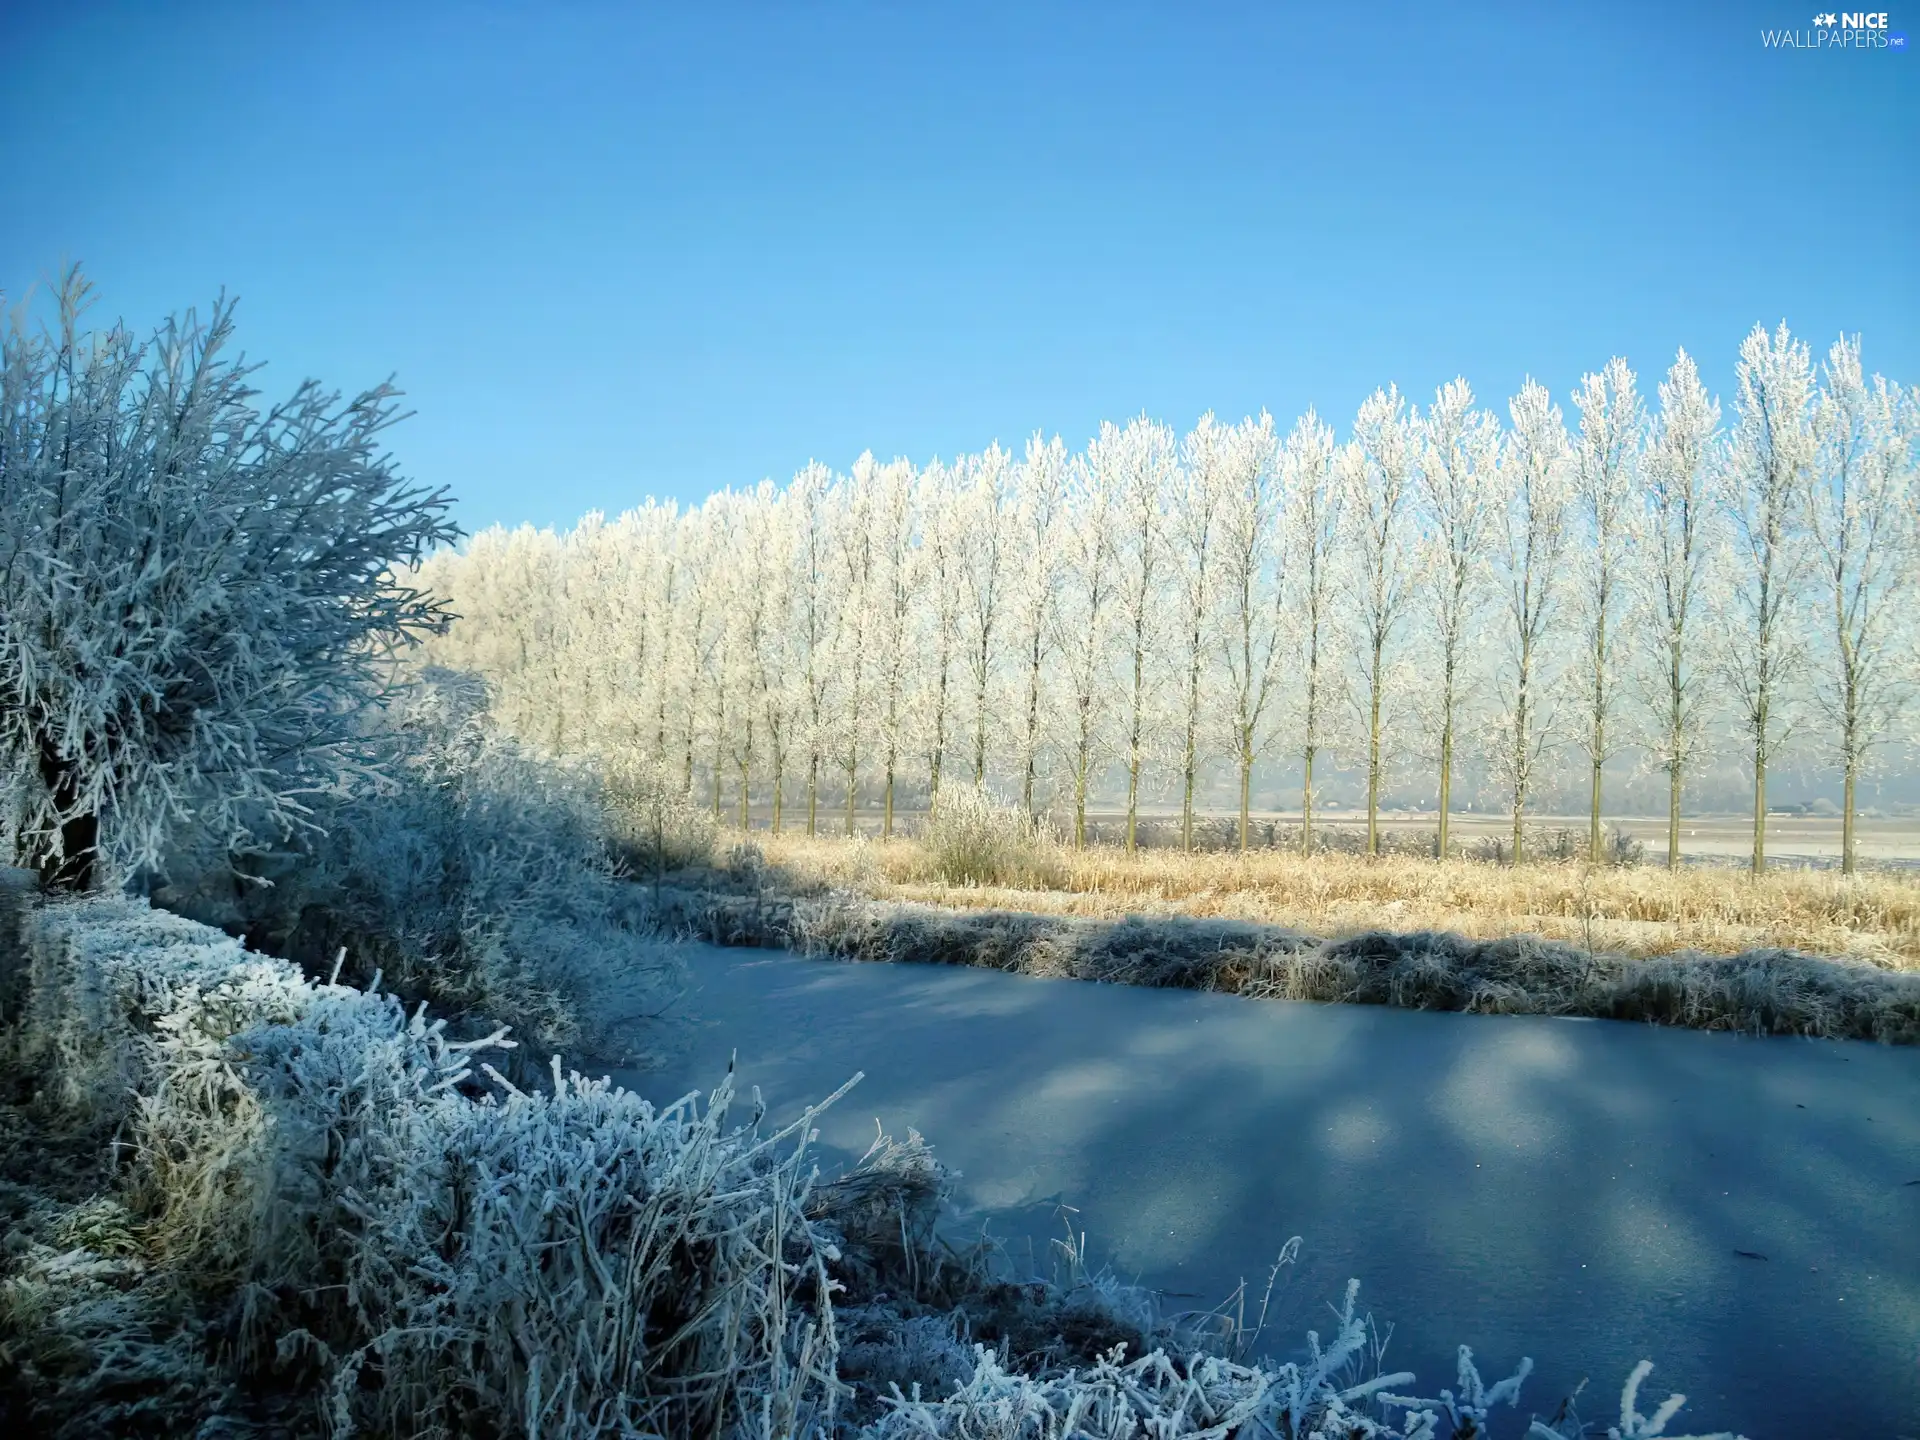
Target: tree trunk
1373,756
1759,810
939,736
1033,730
1520,771
1306,803
853,777
1192,751
1446,783
1080,799
1673,813
886,825
1676,736
746,779
1847,859
1599,728
73,868
1246,792
980,739
1133,796
1593,824
813,792
1133,738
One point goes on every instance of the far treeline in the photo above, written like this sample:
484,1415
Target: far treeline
1443,587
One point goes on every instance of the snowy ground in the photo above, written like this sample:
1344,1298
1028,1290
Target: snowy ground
1575,1190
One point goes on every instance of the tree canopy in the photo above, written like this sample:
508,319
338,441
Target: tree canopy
199,595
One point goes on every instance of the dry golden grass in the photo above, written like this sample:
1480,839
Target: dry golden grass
1637,911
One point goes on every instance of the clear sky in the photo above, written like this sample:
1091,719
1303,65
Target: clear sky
622,250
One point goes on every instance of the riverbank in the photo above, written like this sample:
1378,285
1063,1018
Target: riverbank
1637,910
780,900
1576,1192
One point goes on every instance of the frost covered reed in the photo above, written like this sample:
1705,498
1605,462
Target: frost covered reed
1637,910
1764,991
973,839
420,1260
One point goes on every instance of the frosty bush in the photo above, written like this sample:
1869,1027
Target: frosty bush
572,1262
657,827
468,872
197,596
971,839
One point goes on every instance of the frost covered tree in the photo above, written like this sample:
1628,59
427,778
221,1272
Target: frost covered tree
945,516
1085,617
636,541
1251,479
755,592
1040,514
1208,455
701,621
856,571
1531,551
774,657
199,596
1140,462
673,571
1770,456
1858,509
1458,484
1606,460
1312,528
1146,609
502,590
809,501
984,538
1376,475
721,645
895,593
1676,541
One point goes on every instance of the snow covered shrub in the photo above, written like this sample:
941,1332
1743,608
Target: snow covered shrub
314,1178
1621,848
657,827
972,839
470,873
93,986
240,587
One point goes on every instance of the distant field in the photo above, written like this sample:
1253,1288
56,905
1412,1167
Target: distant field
1792,840
1636,910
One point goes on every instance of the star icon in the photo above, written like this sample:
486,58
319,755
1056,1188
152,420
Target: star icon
1828,18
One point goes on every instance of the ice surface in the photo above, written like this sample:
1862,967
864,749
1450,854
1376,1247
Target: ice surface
1579,1191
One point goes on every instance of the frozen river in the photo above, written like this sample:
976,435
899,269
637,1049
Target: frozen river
1580,1191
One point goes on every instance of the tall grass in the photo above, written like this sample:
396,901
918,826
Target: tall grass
971,839
1633,910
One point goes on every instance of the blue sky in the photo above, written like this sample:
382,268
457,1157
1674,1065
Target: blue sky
622,250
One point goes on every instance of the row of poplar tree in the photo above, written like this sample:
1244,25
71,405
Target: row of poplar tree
1443,588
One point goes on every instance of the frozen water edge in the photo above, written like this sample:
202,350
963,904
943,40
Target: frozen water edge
1573,1191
